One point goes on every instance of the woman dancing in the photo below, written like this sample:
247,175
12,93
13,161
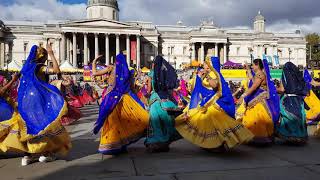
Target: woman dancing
38,132
161,131
292,126
122,119
262,104
209,121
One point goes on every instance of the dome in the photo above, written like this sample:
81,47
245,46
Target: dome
259,17
109,3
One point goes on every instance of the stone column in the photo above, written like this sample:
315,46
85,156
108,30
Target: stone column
85,49
74,50
117,44
224,53
138,52
193,56
2,55
296,51
216,53
96,45
63,47
128,50
68,49
202,52
107,50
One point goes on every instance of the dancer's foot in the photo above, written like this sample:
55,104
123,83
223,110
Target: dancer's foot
45,159
26,160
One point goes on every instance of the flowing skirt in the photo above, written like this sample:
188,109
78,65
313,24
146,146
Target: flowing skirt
73,115
13,138
314,104
292,126
125,125
161,131
240,111
258,120
87,98
211,128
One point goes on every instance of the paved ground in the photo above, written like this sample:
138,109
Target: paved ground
184,162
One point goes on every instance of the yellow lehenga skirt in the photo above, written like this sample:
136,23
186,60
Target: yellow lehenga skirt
259,121
240,111
14,138
314,104
126,124
211,128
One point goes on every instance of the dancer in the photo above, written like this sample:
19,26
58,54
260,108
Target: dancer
87,94
292,127
262,104
181,93
161,131
74,113
38,132
209,121
311,100
122,119
9,119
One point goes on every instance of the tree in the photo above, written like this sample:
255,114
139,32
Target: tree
313,43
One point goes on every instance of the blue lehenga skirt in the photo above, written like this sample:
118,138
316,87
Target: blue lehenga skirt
292,126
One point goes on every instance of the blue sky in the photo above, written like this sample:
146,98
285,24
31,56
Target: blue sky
281,15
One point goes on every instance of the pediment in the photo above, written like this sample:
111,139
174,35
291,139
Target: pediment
98,23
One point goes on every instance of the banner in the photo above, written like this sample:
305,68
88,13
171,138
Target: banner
87,73
234,73
276,73
240,74
133,51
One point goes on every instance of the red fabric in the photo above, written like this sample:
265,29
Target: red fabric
75,101
73,115
86,98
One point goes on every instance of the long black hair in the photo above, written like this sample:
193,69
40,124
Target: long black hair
258,62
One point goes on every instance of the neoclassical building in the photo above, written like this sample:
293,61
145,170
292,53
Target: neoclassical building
80,41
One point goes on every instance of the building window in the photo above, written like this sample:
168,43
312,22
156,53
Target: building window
114,16
238,51
101,12
265,51
184,50
90,13
172,50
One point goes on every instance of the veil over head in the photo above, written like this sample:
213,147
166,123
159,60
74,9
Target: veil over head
39,103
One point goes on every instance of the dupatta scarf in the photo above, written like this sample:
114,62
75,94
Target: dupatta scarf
39,103
294,81
165,78
203,96
121,86
272,98
307,78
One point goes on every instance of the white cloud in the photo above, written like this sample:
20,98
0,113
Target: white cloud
284,15
42,10
287,26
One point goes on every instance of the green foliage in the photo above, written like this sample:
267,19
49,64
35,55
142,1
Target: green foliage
313,42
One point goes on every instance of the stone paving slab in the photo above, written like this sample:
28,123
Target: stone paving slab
210,162
278,173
